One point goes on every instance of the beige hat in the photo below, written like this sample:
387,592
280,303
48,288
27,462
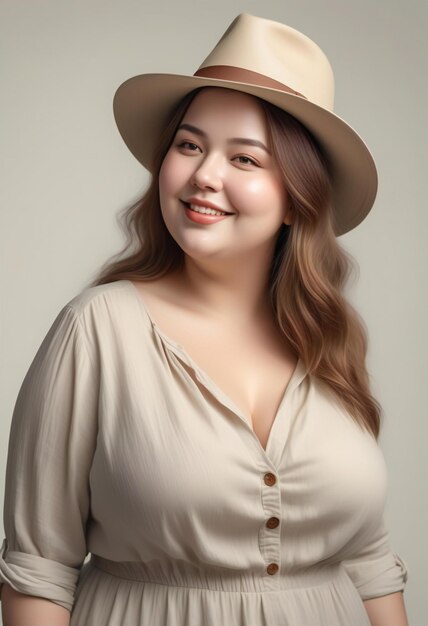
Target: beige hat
279,64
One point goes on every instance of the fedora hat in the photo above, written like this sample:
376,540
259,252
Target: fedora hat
275,62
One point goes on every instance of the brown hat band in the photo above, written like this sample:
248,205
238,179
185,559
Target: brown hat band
241,75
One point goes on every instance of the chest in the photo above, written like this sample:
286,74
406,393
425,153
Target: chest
252,373
251,365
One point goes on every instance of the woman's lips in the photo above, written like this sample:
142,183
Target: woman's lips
201,218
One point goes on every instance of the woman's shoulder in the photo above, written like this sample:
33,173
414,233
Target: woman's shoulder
108,310
98,297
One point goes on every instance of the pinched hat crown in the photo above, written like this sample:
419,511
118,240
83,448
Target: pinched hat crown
283,58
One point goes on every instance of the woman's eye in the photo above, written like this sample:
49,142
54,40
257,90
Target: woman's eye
249,161
189,143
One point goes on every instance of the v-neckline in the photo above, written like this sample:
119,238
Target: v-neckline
296,377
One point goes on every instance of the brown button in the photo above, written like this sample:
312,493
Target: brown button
272,522
270,479
272,568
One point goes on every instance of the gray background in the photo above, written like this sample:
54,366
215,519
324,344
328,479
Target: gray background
66,174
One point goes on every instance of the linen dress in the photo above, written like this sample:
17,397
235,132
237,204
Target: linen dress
138,494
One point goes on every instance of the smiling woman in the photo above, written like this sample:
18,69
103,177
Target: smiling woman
200,417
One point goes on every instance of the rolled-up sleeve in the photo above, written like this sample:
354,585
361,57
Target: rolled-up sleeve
376,570
51,446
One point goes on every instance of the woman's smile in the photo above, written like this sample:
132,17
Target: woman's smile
202,215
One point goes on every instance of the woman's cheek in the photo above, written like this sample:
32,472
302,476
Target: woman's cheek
256,194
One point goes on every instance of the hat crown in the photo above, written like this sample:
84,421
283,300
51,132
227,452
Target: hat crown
279,52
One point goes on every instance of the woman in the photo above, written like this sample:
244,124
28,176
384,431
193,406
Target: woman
199,419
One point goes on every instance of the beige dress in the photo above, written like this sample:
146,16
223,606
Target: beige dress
138,494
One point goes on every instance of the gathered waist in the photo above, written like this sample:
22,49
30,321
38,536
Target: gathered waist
183,574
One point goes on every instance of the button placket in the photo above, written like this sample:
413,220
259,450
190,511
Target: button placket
270,532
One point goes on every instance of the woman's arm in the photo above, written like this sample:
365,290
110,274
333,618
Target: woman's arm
387,610
52,442
19,609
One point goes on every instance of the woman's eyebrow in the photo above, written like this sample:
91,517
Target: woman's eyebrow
248,142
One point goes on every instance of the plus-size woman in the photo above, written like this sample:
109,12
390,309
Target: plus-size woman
199,419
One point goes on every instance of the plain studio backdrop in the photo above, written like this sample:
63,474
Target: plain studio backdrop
67,173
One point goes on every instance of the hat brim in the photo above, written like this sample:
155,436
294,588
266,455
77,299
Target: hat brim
143,104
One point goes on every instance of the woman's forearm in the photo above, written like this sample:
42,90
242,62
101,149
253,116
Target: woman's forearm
387,610
19,609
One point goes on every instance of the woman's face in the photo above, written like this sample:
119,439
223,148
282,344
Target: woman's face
206,162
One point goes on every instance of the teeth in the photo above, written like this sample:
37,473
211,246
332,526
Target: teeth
206,210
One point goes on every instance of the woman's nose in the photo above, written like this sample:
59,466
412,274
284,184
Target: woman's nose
208,174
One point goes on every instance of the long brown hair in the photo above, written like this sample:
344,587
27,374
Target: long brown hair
309,268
